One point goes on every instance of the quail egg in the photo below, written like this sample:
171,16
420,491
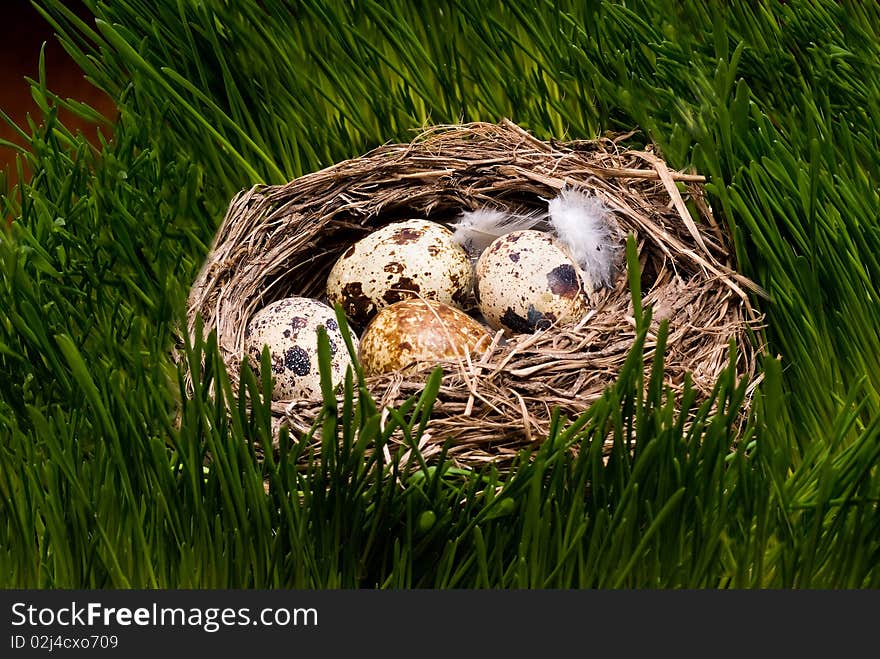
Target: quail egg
526,281
289,328
415,332
402,260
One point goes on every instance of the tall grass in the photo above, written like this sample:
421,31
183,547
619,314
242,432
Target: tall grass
103,474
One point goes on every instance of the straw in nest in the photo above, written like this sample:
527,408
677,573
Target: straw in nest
278,241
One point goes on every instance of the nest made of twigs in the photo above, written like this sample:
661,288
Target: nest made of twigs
278,241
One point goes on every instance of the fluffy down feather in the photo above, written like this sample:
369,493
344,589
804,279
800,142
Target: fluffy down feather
582,223
475,230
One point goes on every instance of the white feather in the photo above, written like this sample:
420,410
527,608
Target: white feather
475,230
583,223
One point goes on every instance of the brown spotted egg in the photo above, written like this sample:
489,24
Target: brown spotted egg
415,332
289,327
402,260
526,281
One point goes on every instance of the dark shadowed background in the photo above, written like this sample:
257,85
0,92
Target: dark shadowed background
26,31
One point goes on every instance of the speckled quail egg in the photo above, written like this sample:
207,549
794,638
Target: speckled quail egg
526,281
289,327
402,260
414,332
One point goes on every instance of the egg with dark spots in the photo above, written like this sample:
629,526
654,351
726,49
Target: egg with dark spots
400,261
289,327
414,333
526,281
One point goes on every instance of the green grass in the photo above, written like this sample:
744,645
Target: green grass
101,477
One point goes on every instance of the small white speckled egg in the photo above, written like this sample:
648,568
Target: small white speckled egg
289,327
526,281
402,260
415,332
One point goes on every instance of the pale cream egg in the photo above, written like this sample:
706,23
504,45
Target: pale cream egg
399,261
289,327
526,281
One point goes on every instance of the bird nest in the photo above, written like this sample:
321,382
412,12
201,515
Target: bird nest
282,240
